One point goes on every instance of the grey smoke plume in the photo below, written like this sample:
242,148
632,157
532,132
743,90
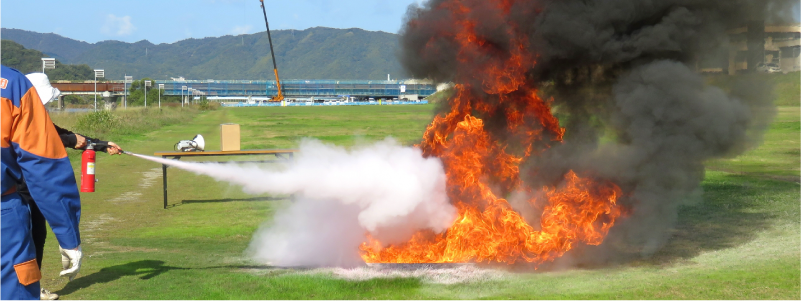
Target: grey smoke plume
383,189
622,69
581,34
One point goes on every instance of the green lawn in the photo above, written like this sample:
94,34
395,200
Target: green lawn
742,242
779,155
347,125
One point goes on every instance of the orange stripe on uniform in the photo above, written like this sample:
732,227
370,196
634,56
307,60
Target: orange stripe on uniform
8,113
34,130
11,190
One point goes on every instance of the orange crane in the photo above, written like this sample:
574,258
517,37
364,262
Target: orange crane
280,96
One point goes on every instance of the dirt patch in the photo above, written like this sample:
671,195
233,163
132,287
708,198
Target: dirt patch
432,273
90,228
127,197
91,232
148,180
149,177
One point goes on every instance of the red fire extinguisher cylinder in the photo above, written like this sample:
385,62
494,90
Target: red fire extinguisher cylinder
88,170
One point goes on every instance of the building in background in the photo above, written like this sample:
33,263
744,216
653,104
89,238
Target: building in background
758,43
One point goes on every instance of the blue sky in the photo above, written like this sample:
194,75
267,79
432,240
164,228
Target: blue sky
168,21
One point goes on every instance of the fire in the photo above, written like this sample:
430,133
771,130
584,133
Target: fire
488,229
482,167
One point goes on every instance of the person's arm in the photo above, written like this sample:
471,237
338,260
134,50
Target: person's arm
62,131
42,160
78,141
68,138
103,146
71,139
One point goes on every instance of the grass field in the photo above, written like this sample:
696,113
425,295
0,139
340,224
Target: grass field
742,242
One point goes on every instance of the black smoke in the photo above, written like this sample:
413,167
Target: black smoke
624,70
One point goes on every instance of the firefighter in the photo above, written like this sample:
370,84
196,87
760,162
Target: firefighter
48,93
31,149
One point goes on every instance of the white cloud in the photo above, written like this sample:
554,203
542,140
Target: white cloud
120,26
238,30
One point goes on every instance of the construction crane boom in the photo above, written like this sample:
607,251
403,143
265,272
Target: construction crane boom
280,96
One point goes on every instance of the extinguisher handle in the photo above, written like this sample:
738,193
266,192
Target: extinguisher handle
96,145
90,144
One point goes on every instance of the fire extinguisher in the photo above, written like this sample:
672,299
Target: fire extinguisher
88,168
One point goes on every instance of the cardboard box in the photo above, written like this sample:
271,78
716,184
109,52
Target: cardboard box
229,137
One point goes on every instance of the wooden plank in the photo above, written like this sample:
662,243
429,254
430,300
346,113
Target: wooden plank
227,153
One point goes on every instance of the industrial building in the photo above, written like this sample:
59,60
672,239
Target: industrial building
758,43
303,89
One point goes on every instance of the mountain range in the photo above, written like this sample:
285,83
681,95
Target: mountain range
314,53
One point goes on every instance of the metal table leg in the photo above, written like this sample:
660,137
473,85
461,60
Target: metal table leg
178,157
164,180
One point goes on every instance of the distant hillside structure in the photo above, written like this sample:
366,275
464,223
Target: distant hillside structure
759,43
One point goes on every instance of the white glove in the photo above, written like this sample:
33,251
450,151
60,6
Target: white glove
71,262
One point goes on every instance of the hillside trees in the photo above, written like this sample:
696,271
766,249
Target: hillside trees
136,94
313,53
29,60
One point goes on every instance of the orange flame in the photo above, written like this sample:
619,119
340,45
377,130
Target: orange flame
481,169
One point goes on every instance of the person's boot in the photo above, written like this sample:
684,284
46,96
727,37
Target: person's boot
47,295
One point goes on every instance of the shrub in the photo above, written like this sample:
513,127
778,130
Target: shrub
122,124
206,105
100,121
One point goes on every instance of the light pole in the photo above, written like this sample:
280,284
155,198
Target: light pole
182,95
48,63
98,73
147,84
128,80
161,86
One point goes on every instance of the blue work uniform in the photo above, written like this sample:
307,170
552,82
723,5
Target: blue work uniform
31,149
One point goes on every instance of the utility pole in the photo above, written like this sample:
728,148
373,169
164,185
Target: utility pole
128,80
182,95
161,86
98,73
48,63
147,84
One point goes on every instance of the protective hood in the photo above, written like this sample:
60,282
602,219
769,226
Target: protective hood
42,84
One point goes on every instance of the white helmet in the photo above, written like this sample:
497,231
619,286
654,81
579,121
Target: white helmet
42,84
